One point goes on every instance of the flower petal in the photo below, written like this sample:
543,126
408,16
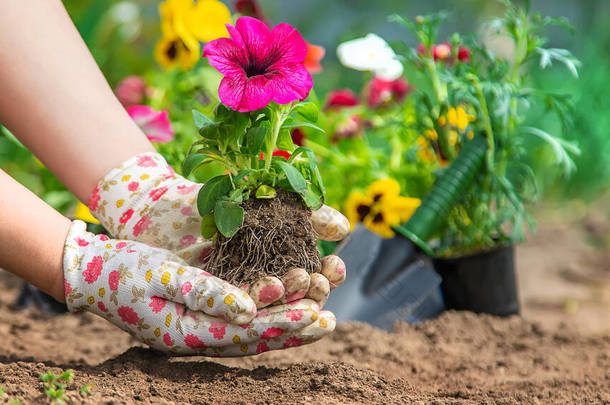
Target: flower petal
287,44
255,35
242,94
226,56
293,82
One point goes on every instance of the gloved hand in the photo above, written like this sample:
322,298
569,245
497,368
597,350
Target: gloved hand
145,200
155,296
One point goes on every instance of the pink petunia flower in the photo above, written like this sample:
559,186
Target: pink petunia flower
259,66
113,280
132,90
94,269
154,124
193,342
128,315
157,304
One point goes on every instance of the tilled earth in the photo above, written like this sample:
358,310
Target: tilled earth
559,352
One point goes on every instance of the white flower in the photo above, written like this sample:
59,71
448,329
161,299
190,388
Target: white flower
370,53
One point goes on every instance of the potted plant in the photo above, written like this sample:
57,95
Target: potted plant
475,119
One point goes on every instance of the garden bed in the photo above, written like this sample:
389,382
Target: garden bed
558,354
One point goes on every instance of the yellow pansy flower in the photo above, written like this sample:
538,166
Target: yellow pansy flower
404,207
183,25
82,212
357,207
381,221
383,189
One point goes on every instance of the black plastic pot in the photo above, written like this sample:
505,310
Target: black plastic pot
484,282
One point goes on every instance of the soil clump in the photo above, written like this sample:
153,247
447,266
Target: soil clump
276,237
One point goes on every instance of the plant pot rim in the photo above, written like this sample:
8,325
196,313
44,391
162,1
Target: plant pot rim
476,253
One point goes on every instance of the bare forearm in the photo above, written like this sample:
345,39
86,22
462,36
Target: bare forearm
32,236
56,100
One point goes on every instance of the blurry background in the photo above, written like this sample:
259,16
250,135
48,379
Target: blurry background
122,35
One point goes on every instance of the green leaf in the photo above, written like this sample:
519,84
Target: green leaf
208,226
295,178
302,124
313,165
312,197
266,192
307,110
284,140
228,217
201,120
236,195
193,161
255,140
211,192
241,175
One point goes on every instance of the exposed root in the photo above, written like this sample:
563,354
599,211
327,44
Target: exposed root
276,237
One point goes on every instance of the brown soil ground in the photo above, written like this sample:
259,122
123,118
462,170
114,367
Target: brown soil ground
558,352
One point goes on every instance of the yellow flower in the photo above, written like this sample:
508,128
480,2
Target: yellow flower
423,151
382,189
82,212
183,25
459,118
381,221
357,207
404,207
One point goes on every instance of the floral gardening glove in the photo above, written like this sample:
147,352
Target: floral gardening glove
155,296
145,200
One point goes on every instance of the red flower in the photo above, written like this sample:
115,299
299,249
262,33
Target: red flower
251,8
262,347
187,240
293,342
338,99
298,136
94,199
218,330
193,342
94,269
315,53
103,237
133,186
126,216
157,304
157,193
277,152
120,245
101,306
128,315
272,332
382,92
259,65
463,54
141,225
350,128
113,280
131,90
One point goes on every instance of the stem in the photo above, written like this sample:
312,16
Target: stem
440,90
486,120
277,120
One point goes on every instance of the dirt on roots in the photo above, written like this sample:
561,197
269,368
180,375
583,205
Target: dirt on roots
276,237
558,353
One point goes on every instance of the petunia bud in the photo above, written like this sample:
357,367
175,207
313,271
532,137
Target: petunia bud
463,54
